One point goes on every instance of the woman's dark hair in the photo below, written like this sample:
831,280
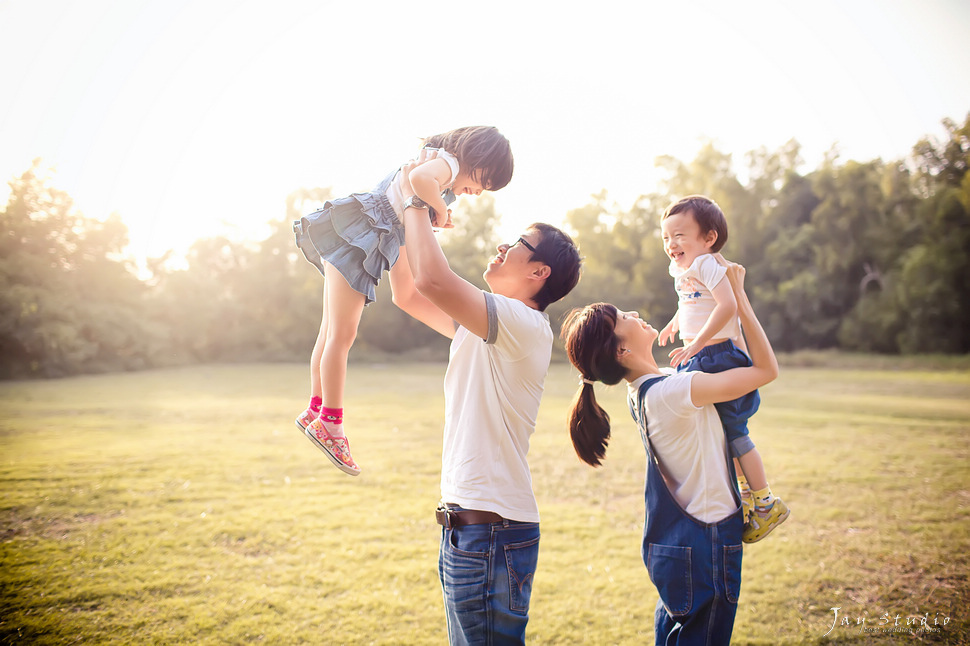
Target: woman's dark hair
482,151
592,347
706,213
556,249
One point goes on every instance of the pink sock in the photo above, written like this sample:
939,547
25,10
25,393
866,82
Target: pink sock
315,404
333,415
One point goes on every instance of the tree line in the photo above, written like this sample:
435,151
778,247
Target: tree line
863,256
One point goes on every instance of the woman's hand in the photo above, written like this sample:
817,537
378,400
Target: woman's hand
735,272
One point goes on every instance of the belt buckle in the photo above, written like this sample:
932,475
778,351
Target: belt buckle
443,515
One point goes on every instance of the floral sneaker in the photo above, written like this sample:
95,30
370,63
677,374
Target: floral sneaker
305,418
336,448
762,522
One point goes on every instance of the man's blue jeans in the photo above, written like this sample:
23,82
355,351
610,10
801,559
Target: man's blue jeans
486,574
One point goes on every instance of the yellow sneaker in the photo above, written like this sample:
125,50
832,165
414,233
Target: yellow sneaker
762,522
747,504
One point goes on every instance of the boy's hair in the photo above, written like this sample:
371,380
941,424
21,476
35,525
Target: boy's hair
482,151
707,214
557,250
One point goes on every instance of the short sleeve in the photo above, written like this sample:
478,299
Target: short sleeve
452,163
513,327
709,271
673,394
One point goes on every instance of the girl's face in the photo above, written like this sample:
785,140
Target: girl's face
466,185
683,240
634,334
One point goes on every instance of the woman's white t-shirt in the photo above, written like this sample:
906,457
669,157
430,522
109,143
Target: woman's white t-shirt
689,443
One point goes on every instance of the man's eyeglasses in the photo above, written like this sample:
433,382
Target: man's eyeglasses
525,243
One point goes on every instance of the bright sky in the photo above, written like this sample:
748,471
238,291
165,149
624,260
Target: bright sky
193,118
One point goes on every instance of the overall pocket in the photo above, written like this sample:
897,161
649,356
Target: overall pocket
669,567
732,572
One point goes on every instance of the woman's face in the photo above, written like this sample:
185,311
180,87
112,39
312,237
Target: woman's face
635,334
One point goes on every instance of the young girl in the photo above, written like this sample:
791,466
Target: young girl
692,534
693,229
354,240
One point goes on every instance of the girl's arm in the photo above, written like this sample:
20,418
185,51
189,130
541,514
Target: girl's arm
433,277
725,308
734,383
427,181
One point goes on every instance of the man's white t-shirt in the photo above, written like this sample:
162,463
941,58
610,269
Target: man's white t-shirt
492,392
689,442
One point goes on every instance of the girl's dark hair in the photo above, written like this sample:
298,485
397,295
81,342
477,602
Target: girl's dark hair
592,347
707,214
482,150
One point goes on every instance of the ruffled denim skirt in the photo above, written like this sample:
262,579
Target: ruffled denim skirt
359,235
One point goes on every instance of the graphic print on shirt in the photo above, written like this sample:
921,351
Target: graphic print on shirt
688,290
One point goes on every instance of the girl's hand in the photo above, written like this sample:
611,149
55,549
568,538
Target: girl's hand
448,224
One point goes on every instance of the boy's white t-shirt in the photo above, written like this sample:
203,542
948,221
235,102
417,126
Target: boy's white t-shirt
695,301
492,392
396,198
689,442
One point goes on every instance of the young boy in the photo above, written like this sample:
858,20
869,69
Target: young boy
693,229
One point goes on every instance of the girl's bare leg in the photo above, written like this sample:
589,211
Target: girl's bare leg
343,306
316,357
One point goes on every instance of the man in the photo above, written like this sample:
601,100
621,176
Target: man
500,351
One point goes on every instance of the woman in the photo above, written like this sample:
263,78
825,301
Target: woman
692,535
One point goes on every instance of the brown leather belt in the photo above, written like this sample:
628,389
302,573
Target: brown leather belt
448,517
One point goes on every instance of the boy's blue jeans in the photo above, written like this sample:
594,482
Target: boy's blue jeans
735,413
486,574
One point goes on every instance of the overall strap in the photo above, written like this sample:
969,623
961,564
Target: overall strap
636,410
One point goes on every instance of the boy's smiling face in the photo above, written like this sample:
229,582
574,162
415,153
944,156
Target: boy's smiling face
683,239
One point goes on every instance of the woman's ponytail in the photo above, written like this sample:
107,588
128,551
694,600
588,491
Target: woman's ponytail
589,426
592,348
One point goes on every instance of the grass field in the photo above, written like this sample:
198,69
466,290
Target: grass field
183,507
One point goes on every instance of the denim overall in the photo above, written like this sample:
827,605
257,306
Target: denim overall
695,566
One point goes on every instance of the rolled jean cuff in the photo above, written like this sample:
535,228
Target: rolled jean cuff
741,445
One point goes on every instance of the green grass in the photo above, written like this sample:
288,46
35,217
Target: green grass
183,507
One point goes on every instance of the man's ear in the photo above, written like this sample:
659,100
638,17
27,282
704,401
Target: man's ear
542,272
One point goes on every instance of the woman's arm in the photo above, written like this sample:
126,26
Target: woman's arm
734,383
